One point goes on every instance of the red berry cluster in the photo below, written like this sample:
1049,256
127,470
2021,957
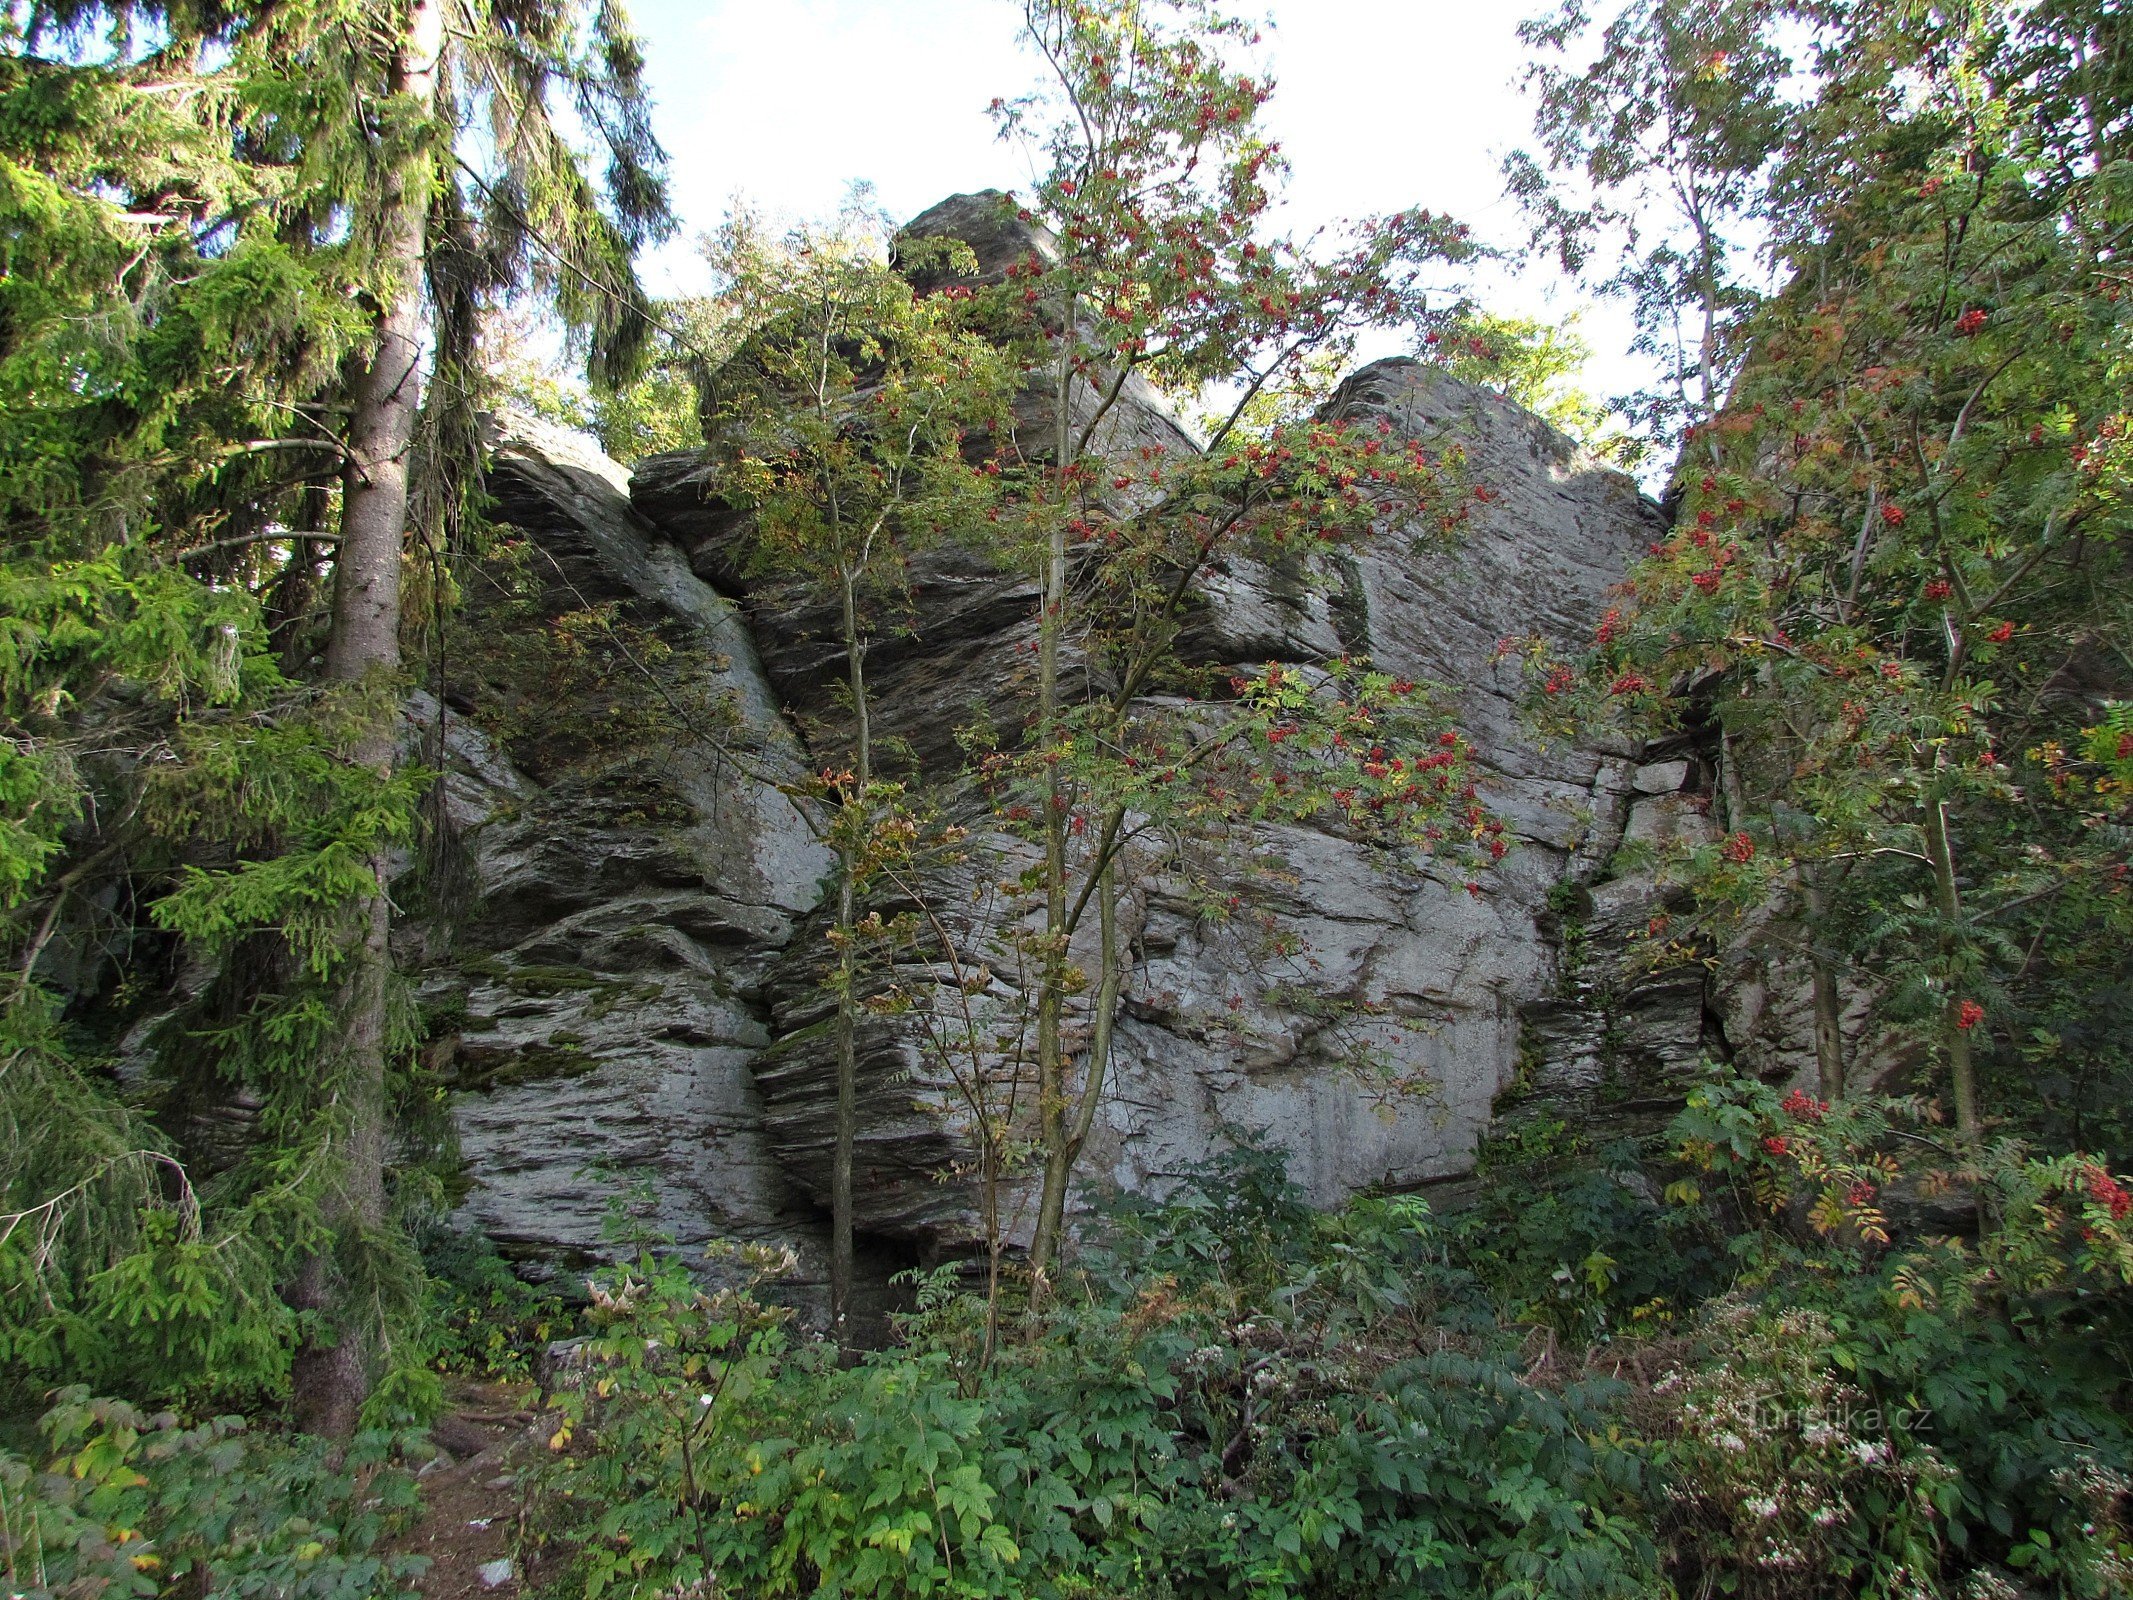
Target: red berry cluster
1805,1106
2107,1191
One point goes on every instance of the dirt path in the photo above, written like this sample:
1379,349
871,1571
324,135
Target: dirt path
471,1504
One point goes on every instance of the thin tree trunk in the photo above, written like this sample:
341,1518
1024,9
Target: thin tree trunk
1706,346
1962,1070
1828,1001
847,1115
1051,1074
1059,1159
335,1369
847,1119
993,1247
1111,972
1730,788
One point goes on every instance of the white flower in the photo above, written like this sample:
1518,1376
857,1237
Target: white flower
1870,1451
1763,1505
1732,1442
705,1399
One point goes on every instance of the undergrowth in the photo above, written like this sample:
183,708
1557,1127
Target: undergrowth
1788,1350
1732,1363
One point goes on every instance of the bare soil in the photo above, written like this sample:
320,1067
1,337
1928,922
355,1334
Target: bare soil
472,1502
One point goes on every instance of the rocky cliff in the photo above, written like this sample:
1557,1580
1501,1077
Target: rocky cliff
614,758
628,982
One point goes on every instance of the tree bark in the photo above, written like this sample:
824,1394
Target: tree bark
1962,1069
336,1367
1059,1159
1051,1071
845,1132
847,1119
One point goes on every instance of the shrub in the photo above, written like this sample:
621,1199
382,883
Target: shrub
1777,1386
1783,1479
1239,1399
481,1319
2010,1350
131,1504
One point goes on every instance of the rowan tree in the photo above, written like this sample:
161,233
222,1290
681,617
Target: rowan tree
1155,265
840,423
1896,574
1657,132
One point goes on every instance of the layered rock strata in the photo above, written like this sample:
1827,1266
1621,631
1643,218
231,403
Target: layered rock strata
632,866
634,981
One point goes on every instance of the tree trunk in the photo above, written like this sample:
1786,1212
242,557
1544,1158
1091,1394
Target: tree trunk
1731,790
846,1128
1962,1070
994,1246
1059,1159
336,1367
1052,957
846,1131
1828,1001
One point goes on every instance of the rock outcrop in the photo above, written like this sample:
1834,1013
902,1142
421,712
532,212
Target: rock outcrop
631,868
1452,974
954,655
632,981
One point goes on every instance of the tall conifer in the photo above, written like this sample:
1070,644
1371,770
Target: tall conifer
280,221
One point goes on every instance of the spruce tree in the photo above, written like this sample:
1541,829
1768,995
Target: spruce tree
160,336
289,217
438,219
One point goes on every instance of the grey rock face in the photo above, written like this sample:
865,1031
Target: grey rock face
1460,985
951,652
634,978
945,655
1420,990
600,998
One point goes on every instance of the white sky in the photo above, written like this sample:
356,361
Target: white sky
1379,105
